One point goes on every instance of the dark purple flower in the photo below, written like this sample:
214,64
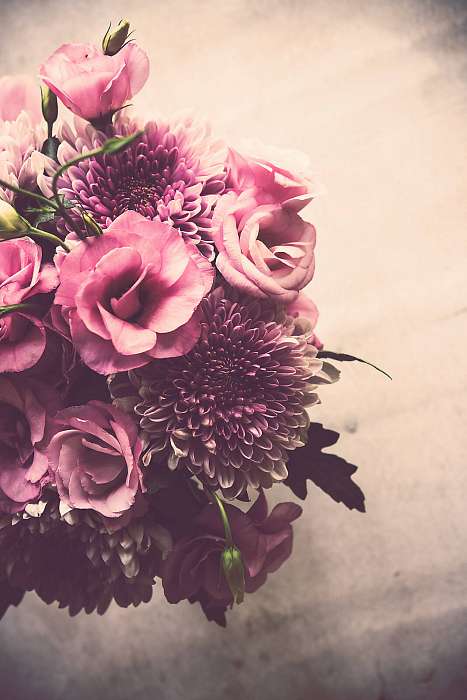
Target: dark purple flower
232,408
174,173
193,569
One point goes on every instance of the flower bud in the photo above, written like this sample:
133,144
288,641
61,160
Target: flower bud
92,227
49,105
234,572
114,39
12,225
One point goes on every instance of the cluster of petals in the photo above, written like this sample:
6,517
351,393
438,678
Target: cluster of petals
23,278
131,295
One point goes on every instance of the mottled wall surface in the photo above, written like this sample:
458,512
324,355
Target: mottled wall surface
371,607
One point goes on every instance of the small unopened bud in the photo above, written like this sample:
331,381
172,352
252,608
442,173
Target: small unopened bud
234,572
114,39
92,227
12,225
49,105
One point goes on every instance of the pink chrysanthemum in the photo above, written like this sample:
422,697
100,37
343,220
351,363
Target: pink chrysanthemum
174,173
21,161
231,409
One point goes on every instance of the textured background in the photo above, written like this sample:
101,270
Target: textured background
371,607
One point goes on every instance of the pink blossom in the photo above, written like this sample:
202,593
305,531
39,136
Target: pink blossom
92,84
22,277
25,407
93,458
271,184
21,161
305,308
130,295
264,251
19,93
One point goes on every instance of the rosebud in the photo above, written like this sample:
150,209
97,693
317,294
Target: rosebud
49,105
92,227
114,39
234,572
12,225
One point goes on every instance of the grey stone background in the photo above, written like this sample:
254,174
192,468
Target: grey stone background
370,607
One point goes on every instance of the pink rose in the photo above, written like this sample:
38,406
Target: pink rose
24,408
22,335
130,295
91,84
93,458
19,93
265,251
269,183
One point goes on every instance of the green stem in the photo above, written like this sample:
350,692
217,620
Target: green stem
224,518
49,236
4,310
27,193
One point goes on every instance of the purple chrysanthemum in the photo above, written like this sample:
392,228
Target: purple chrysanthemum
231,409
173,173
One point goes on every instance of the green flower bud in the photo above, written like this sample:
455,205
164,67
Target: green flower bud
114,39
234,572
92,227
12,225
49,105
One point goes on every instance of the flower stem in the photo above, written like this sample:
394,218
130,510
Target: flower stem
49,237
224,518
4,310
27,193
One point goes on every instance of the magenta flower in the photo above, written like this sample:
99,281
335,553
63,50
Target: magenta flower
174,173
25,407
19,93
264,251
91,84
22,277
231,410
130,295
193,569
93,458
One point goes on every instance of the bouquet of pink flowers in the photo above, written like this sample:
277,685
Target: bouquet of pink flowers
158,360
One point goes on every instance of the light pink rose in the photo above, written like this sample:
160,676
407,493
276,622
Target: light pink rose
265,251
130,295
269,183
22,277
19,93
91,84
25,406
93,458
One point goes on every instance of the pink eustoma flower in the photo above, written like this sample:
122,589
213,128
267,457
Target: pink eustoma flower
268,183
19,93
92,84
93,458
25,407
22,277
265,251
130,295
